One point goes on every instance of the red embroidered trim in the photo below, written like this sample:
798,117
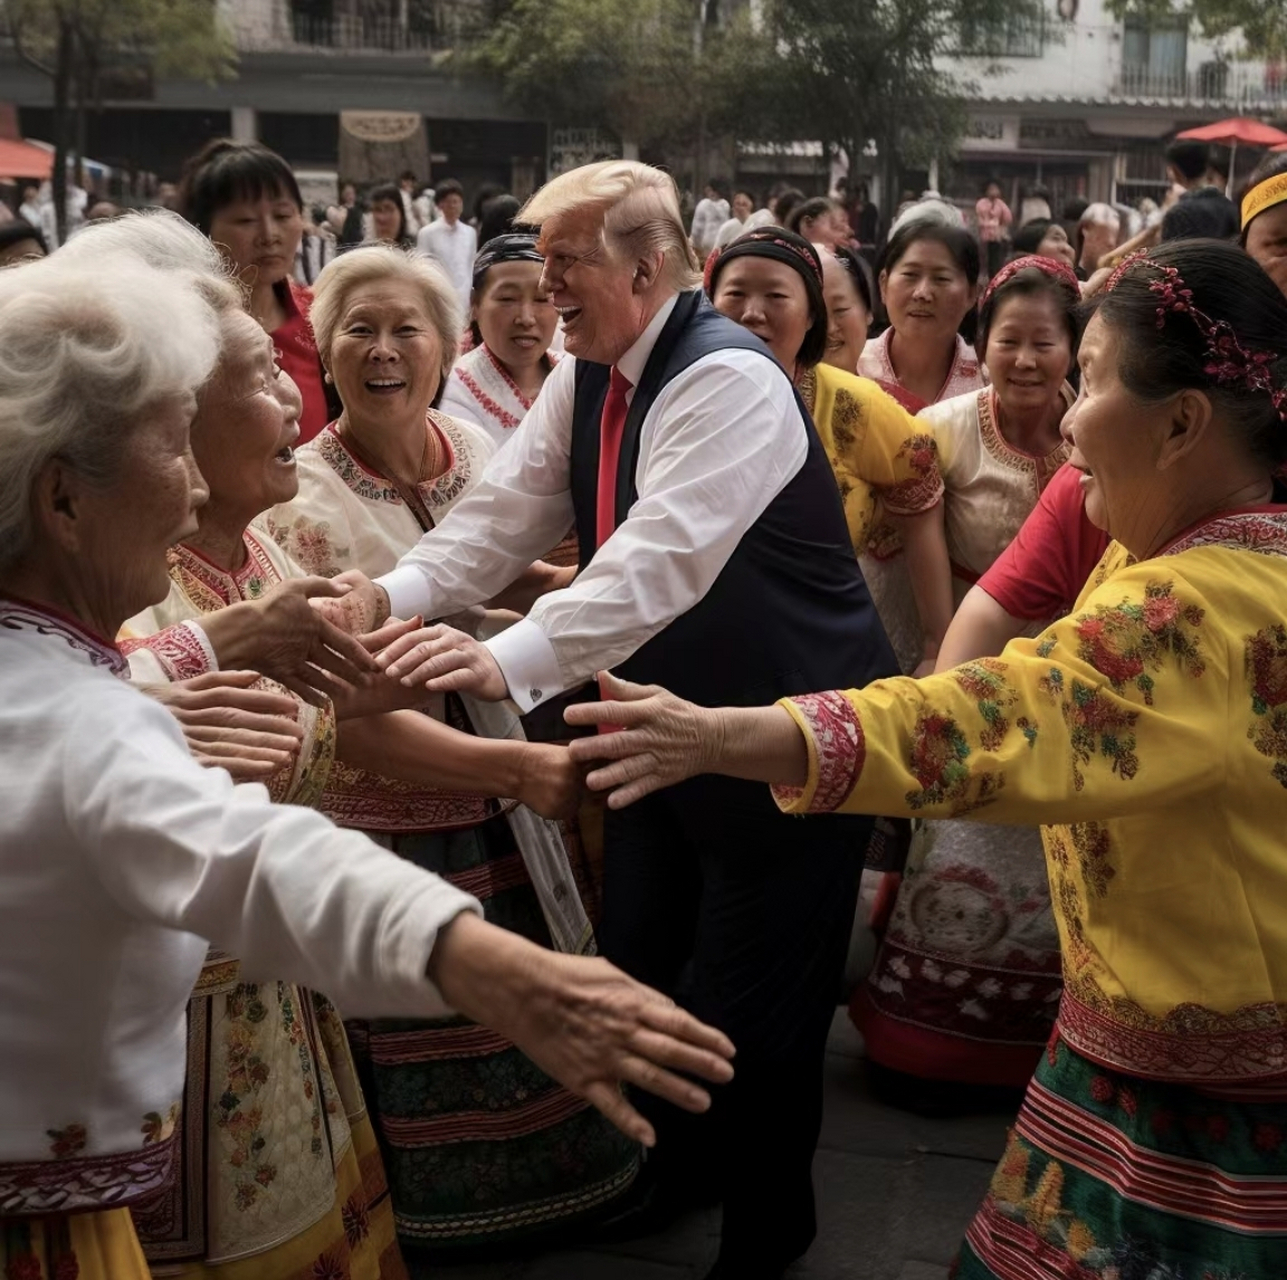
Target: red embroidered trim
178,649
503,416
489,879
1193,1044
481,1126
17,615
368,802
435,1044
87,1182
1038,469
1014,1250
840,746
1168,1184
1264,532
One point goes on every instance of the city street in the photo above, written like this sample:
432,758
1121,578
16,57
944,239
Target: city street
895,1193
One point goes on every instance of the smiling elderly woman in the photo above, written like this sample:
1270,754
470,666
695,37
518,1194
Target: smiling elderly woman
120,856
1148,733
369,487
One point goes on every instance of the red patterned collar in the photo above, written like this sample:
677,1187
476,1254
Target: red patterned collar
1262,529
25,615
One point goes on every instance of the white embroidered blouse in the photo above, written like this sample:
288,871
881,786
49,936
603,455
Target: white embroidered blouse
120,857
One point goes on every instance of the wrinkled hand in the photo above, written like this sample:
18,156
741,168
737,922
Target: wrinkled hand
444,660
662,740
360,606
374,692
581,1020
288,640
228,724
551,781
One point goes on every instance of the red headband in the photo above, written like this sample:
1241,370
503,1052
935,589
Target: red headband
1049,267
1228,361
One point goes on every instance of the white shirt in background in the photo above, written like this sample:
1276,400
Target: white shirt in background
454,246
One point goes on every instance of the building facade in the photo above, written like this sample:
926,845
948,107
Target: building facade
301,63
1083,103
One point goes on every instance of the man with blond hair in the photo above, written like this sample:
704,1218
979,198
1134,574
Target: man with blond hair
714,559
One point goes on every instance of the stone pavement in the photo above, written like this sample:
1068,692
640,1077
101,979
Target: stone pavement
895,1192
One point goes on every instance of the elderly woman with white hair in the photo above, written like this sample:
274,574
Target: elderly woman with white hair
1098,231
389,470
121,858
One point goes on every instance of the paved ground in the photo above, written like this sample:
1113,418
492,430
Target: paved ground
895,1193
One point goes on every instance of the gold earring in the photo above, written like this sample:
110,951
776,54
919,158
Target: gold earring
326,378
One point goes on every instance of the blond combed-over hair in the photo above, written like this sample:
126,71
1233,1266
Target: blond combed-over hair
84,358
374,262
640,207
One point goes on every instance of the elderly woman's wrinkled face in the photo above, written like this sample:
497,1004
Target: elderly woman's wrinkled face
124,528
244,434
514,314
768,298
260,237
1115,439
1267,243
847,316
386,356
592,288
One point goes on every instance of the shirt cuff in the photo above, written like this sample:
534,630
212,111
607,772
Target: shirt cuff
528,662
408,592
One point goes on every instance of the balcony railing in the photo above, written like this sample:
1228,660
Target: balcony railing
1225,83
351,33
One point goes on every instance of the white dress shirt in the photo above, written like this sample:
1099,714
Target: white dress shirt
453,245
120,857
717,445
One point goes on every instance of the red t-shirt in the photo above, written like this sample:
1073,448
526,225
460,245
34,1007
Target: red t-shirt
1041,573
300,359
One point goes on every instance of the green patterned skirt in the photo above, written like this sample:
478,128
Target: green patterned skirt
480,1146
1111,1177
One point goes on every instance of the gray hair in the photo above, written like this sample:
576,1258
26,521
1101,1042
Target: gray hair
374,262
83,357
163,240
932,209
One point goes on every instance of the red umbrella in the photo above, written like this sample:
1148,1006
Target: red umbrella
22,160
1238,129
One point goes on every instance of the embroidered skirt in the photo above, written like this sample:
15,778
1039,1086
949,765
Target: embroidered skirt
1108,1177
480,1146
967,980
77,1246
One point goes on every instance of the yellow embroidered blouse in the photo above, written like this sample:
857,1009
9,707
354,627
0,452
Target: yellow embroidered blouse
883,459
1147,731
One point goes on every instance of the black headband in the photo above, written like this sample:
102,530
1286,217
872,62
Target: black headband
514,246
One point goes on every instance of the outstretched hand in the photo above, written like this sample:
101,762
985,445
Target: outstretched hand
444,660
358,606
661,740
581,1020
229,724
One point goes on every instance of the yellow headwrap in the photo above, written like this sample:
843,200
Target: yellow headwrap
1264,195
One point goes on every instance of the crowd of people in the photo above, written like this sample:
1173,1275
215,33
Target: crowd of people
394,664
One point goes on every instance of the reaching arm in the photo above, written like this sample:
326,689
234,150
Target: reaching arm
726,437
980,628
1108,712
930,571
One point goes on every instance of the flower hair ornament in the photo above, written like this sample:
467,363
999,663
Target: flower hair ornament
1228,362
1060,272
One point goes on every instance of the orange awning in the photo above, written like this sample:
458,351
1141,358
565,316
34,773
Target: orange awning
22,160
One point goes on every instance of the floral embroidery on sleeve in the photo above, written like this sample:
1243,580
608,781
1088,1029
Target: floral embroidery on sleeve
940,763
925,488
838,744
1267,672
67,1142
1125,642
1097,726
308,543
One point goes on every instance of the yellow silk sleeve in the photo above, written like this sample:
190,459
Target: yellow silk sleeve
1113,709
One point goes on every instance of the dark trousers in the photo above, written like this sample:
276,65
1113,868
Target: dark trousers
996,253
743,914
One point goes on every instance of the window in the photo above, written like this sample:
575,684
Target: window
1018,36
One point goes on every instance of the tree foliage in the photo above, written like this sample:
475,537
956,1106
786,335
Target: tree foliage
658,72
79,42
872,70
1259,27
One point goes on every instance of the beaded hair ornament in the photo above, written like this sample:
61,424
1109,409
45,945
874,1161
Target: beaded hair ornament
1228,362
1060,272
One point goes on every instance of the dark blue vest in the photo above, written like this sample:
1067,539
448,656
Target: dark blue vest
789,612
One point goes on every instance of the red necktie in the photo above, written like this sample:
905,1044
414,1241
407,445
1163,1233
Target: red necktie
611,427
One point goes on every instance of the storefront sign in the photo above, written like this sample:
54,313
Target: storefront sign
991,133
